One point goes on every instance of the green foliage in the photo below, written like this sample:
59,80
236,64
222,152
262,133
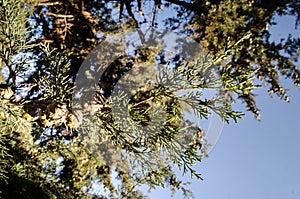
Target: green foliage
3,161
44,153
14,128
13,38
56,84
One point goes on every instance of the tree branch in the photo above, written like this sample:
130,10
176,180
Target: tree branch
190,6
59,15
48,3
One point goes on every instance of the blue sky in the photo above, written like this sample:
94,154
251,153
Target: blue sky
256,160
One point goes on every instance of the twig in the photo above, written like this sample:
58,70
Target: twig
48,3
59,15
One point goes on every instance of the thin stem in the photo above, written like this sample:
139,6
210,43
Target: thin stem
165,94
